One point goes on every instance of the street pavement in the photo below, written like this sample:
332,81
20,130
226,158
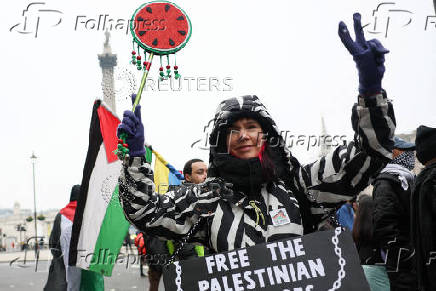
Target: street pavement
20,277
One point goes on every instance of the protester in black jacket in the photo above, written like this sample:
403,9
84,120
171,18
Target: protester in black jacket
56,276
56,280
363,236
424,209
158,251
272,196
392,194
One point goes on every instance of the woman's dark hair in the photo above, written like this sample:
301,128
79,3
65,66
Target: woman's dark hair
363,223
271,165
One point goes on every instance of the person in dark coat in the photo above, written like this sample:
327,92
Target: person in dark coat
363,236
57,274
61,276
424,209
194,172
392,193
158,251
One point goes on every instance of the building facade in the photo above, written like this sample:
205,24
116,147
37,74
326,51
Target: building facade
15,229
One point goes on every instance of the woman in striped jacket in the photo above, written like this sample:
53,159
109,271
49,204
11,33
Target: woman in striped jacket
256,190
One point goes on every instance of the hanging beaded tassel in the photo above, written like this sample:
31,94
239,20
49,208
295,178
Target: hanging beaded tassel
168,67
133,55
138,61
176,69
161,73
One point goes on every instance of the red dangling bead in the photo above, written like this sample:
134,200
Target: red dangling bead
138,58
120,141
161,69
145,63
168,67
133,53
176,67
125,145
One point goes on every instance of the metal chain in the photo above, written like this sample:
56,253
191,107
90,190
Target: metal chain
184,241
213,186
179,276
338,251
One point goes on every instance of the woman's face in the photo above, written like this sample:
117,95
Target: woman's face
245,138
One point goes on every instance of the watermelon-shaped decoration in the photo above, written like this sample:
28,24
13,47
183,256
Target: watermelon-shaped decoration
160,27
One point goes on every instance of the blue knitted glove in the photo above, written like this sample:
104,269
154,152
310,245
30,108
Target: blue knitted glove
132,126
368,56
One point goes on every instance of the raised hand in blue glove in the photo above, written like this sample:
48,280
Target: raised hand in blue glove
368,56
133,128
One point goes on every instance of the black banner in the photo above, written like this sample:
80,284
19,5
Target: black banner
325,260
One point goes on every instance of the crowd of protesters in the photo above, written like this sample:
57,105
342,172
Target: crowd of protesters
251,173
256,175
394,229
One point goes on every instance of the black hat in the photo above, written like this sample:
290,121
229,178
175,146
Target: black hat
425,143
75,192
401,144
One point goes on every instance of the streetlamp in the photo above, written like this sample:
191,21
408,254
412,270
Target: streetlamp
33,159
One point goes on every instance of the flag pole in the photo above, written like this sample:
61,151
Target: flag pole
123,136
143,81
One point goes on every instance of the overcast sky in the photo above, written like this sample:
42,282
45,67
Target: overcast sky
286,52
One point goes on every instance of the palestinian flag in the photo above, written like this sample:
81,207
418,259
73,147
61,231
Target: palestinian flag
99,225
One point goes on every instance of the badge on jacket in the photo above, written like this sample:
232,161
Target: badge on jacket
279,217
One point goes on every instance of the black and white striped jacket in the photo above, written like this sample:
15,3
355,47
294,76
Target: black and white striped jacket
233,223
